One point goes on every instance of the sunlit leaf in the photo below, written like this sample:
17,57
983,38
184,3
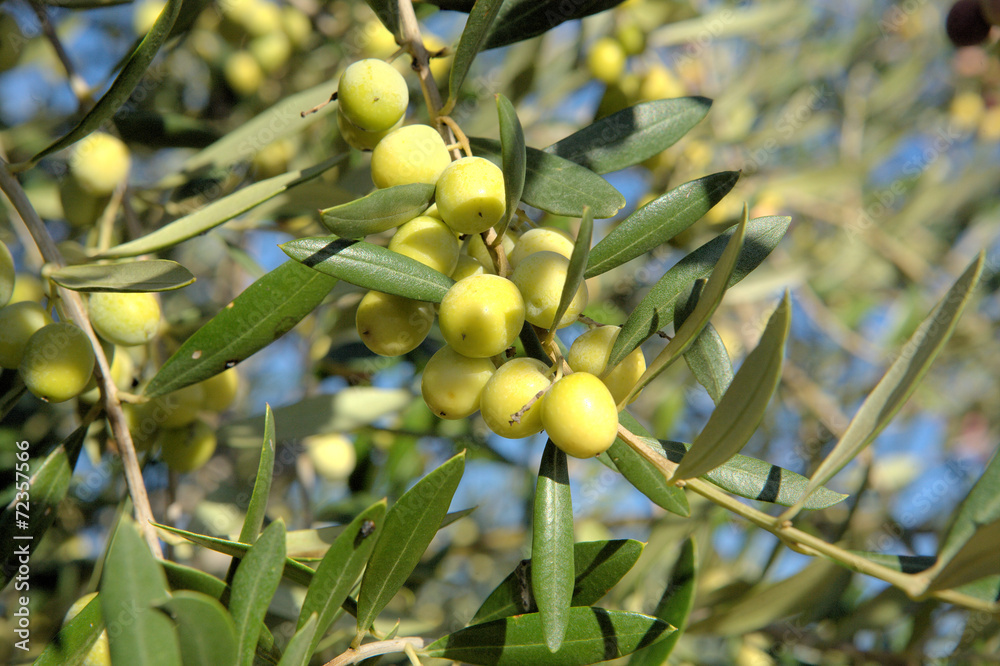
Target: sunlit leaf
742,407
130,276
218,212
409,526
514,159
760,480
32,511
477,28
632,135
132,584
659,221
597,567
903,563
257,507
707,356
902,377
370,266
379,211
577,264
552,546
254,584
123,85
655,311
685,334
674,606
205,629
556,185
339,570
265,311
592,635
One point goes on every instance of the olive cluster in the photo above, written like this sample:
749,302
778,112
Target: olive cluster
484,312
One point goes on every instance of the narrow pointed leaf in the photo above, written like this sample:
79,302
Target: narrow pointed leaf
218,212
132,584
552,546
984,589
577,264
387,12
379,211
410,524
741,475
370,266
257,507
646,478
759,480
674,607
742,407
473,39
281,120
707,356
514,159
300,648
902,377
980,507
597,567
265,311
32,510
131,276
710,299
592,635
659,221
655,310
293,571
182,577
72,644
205,629
128,78
556,185
339,570
632,135
254,584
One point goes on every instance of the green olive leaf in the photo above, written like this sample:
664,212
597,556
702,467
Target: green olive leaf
127,276
370,266
659,221
552,546
514,159
674,606
481,17
634,134
379,211
655,311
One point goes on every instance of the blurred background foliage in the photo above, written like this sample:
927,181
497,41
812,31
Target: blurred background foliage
857,118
